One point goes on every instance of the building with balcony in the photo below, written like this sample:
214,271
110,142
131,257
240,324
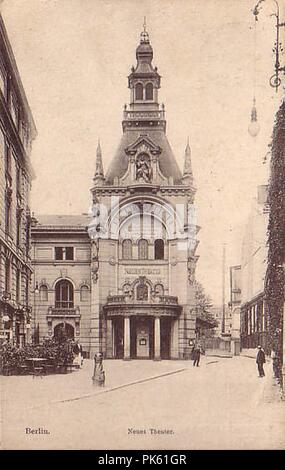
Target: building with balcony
123,281
61,282
17,131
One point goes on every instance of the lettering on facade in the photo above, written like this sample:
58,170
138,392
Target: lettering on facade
142,271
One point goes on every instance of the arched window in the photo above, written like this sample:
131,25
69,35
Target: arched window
84,293
139,91
127,249
143,249
149,91
159,289
159,249
43,293
64,294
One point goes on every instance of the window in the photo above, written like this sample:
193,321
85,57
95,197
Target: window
127,249
18,285
64,253
2,80
143,249
7,275
43,293
27,290
14,110
28,236
149,91
159,249
18,181
139,91
8,163
84,293
8,201
64,294
18,227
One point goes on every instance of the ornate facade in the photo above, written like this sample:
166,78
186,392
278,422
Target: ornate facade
17,131
139,244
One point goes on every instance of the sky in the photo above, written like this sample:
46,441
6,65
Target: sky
74,57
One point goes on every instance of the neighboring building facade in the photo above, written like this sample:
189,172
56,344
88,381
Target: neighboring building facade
233,325
138,266
17,131
253,272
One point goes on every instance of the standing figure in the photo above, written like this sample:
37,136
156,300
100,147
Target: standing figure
99,373
260,360
77,349
196,354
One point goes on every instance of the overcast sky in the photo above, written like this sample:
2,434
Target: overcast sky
74,57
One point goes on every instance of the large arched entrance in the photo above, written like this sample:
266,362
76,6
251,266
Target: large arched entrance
63,330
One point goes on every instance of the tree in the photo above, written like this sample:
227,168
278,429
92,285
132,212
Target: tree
275,279
204,305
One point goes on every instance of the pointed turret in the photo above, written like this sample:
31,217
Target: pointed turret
99,171
187,172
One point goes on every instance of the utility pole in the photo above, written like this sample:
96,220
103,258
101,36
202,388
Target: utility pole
224,288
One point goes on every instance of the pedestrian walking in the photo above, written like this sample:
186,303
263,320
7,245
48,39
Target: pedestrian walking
260,360
196,355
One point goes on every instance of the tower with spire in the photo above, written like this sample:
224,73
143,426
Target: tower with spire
143,258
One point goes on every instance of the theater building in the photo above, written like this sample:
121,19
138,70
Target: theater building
134,257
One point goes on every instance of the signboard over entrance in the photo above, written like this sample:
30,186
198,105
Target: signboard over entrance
142,271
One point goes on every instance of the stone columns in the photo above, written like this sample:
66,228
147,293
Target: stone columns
157,339
127,338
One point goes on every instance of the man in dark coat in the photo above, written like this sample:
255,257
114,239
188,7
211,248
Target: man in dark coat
196,355
260,360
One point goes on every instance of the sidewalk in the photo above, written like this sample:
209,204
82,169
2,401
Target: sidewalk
271,390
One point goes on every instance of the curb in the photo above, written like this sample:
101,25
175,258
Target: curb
111,389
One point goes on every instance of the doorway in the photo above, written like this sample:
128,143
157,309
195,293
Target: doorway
63,330
142,337
165,335
118,328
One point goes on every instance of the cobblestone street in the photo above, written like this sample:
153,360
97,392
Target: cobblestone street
220,405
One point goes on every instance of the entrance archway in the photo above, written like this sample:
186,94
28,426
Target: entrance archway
63,330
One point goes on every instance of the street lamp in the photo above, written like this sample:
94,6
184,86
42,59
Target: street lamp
253,127
275,80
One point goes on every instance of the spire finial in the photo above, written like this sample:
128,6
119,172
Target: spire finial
99,171
144,34
187,173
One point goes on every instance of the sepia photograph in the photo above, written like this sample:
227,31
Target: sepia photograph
142,225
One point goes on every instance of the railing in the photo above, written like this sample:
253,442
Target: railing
159,114
168,299
159,299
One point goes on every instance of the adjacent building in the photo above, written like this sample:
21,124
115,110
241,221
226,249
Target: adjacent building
123,281
17,131
253,272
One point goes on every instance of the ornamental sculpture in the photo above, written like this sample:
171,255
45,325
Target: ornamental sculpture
191,267
143,168
142,290
95,259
